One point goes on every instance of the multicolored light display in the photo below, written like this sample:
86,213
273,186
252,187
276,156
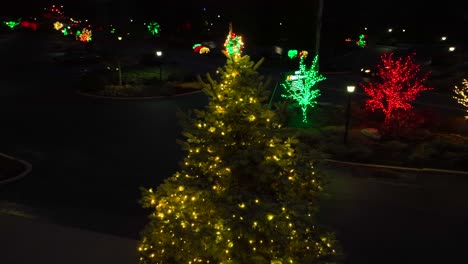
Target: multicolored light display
233,44
200,49
85,35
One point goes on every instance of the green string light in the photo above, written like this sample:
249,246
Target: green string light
302,86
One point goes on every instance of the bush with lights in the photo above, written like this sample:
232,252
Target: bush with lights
243,193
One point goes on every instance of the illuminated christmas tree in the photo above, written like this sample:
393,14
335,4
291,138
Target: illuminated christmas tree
400,82
244,193
302,86
461,95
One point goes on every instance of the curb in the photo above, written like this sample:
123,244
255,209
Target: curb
396,167
135,98
19,176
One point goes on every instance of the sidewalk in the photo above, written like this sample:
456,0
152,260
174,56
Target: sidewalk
25,241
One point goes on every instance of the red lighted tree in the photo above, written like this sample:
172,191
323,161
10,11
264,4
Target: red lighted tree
400,82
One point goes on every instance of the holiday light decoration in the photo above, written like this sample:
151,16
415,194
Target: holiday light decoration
196,48
58,25
302,86
65,31
362,42
400,82
11,24
244,193
292,54
461,95
233,44
204,50
84,35
154,28
200,49
303,54
28,24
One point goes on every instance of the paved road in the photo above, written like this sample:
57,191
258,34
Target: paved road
90,156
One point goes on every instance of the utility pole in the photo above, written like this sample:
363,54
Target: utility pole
318,28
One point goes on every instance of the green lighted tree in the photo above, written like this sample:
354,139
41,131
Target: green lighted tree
362,42
12,24
302,87
244,193
154,28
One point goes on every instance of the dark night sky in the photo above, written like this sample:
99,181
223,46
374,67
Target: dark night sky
256,17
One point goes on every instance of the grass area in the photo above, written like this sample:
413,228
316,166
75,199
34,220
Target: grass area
140,82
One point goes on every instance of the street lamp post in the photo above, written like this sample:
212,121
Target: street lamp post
350,89
158,55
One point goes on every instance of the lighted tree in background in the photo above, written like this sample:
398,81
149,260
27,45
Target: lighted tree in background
362,42
461,95
399,83
244,193
12,24
154,28
292,54
58,25
302,87
85,35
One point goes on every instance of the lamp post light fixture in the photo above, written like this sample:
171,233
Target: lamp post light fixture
159,57
451,49
443,38
350,89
